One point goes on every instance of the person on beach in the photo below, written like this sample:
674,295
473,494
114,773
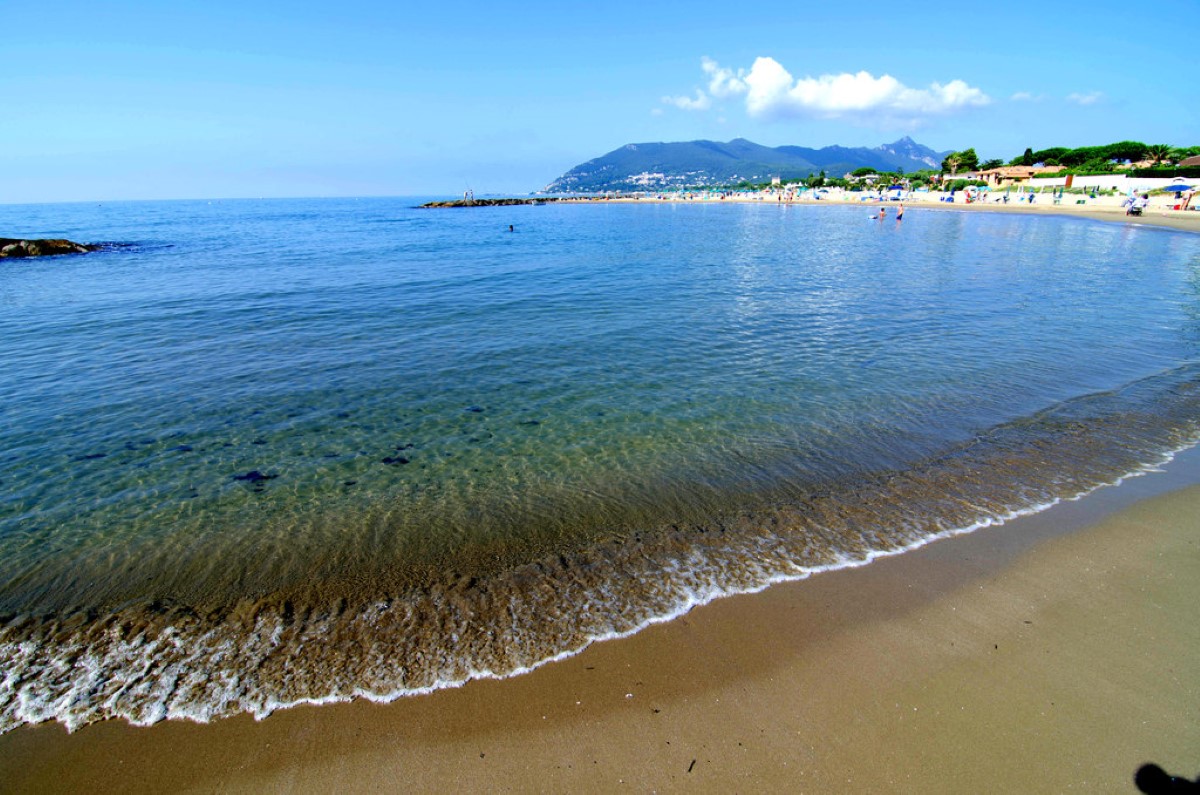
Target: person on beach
1138,204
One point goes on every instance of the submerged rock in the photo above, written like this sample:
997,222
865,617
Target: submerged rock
11,247
254,476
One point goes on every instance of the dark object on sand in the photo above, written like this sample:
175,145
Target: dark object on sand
1153,780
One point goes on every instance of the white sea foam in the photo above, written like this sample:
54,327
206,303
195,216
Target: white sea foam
199,671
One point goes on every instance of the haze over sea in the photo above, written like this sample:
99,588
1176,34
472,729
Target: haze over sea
272,452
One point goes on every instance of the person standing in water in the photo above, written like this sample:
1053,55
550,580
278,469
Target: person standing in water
900,213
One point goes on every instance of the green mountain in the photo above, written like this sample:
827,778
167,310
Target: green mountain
656,166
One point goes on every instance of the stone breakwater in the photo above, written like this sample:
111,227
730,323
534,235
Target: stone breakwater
491,202
11,247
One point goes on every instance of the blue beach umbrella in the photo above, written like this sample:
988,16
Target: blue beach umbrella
1178,187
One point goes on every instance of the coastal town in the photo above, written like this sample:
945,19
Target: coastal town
1155,183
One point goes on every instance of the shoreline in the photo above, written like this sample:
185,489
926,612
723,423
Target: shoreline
1169,219
921,670
1107,209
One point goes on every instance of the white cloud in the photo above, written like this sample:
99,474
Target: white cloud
770,91
774,92
1024,96
700,102
723,82
1090,98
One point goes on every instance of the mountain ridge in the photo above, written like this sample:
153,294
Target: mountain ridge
705,163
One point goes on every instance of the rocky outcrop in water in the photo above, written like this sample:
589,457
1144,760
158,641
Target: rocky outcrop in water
491,202
11,247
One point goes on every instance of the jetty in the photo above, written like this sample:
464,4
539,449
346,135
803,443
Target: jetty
473,202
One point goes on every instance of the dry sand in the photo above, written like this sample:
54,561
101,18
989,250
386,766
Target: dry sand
1171,219
1056,653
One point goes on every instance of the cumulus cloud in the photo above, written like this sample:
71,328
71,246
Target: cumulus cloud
770,91
723,82
1090,98
699,102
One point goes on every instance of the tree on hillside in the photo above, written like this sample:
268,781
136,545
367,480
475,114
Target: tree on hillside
1158,153
966,159
990,164
1027,159
862,172
1126,150
923,177
1054,153
1097,165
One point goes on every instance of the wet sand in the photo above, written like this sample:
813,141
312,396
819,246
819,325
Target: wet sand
1058,652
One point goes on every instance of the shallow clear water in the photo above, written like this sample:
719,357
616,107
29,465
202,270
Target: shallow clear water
266,452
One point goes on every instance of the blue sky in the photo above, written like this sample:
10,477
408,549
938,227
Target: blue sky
125,100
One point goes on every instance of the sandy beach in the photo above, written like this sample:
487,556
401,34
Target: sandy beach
1056,653
1154,216
1107,208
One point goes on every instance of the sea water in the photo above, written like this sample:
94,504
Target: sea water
260,453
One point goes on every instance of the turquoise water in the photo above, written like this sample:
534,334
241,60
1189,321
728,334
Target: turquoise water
258,453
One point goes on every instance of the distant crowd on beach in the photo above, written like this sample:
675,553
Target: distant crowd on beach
1181,201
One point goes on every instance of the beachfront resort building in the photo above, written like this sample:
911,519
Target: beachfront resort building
1011,175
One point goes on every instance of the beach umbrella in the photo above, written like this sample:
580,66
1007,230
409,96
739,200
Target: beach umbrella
1178,187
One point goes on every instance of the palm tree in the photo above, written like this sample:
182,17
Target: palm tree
1181,153
1158,153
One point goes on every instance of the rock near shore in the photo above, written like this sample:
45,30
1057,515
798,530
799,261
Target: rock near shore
11,247
492,202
